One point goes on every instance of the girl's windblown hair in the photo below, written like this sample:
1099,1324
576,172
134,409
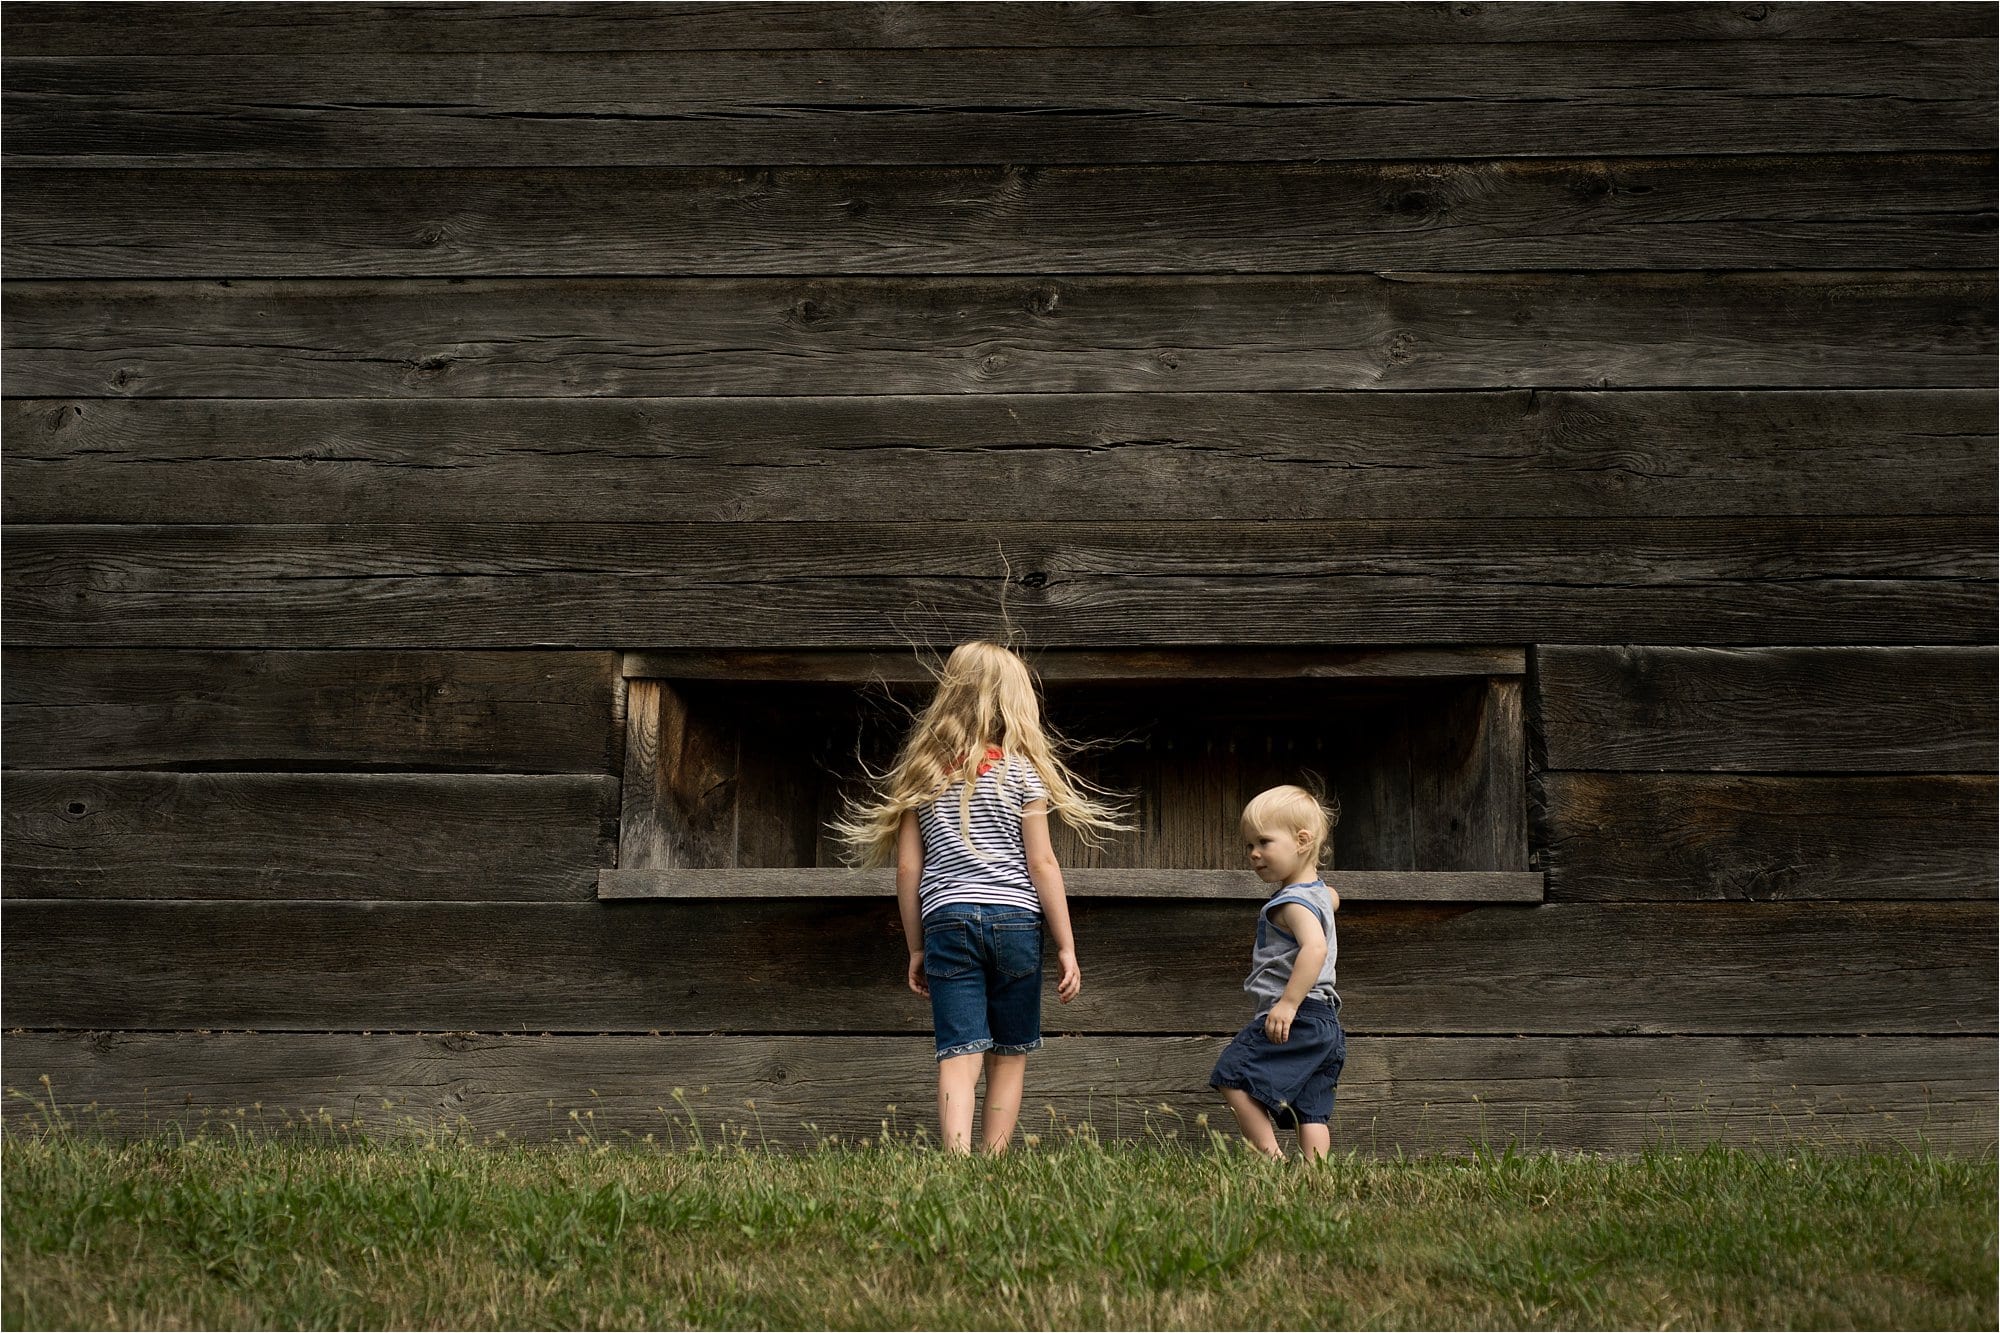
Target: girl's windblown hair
985,696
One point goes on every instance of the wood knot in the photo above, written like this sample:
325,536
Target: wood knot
1414,203
809,312
76,809
1402,349
1034,579
1043,301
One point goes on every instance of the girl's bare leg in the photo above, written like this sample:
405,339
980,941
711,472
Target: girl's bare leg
1005,1077
958,1079
1254,1121
1314,1140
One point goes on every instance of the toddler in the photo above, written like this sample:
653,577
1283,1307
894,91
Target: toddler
965,809
1280,1070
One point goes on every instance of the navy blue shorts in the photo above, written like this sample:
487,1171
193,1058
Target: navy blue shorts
984,965
1293,1081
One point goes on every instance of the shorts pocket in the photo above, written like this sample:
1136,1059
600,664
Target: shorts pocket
948,950
1017,948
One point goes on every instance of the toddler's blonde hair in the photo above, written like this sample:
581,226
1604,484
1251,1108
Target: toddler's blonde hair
985,696
1293,810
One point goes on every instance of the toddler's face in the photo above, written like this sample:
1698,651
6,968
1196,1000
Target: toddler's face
1277,855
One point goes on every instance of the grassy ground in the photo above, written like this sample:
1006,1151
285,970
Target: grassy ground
259,1231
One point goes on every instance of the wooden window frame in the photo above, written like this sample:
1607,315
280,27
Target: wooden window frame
660,845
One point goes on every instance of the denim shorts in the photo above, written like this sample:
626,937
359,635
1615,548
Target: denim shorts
984,965
1293,1080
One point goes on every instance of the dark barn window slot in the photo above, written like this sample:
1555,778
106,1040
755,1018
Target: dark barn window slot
735,761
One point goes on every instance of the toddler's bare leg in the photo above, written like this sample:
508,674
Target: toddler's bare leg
1005,1077
1254,1121
1314,1140
958,1078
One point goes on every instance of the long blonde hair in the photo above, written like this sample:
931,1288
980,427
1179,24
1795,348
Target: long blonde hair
985,696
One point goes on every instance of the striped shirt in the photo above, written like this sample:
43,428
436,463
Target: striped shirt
952,873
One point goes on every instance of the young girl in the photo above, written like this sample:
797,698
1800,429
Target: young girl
1280,1070
965,808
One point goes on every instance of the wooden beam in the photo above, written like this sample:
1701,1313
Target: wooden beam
152,29
1168,456
1106,585
837,965
275,836
1438,886
1823,211
506,712
1408,1094
668,337
1142,104
1799,710
1085,666
1702,837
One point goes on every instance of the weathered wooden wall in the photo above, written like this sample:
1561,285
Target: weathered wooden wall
377,374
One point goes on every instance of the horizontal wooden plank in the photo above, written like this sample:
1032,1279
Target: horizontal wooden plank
1831,211
1081,666
706,337
838,966
1409,1094
1403,886
1220,456
1047,105
1818,710
269,836
150,29
1676,836
1046,585
518,712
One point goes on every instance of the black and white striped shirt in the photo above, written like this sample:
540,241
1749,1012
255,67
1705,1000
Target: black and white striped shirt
952,874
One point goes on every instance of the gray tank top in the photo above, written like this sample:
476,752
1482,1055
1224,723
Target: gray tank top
1275,951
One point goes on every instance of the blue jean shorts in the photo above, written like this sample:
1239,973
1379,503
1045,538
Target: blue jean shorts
1293,1081
984,965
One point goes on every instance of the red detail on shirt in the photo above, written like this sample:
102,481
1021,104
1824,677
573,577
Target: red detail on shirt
992,752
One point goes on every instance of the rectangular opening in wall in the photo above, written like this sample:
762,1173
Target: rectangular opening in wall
735,762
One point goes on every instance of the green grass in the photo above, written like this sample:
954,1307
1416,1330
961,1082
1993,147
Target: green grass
248,1230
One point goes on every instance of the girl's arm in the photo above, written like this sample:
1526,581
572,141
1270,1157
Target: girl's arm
1046,875
909,873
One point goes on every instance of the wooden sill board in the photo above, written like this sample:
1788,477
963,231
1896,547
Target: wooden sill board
1421,886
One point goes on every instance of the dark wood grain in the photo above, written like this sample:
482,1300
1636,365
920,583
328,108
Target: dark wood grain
1693,837
1825,710
1084,666
1048,105
1052,585
320,28
1843,210
828,966
1413,1094
1447,886
704,337
1468,767
513,712
1507,454
273,836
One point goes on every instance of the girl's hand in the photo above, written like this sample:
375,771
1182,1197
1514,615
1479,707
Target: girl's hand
1278,1023
1069,977
918,981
